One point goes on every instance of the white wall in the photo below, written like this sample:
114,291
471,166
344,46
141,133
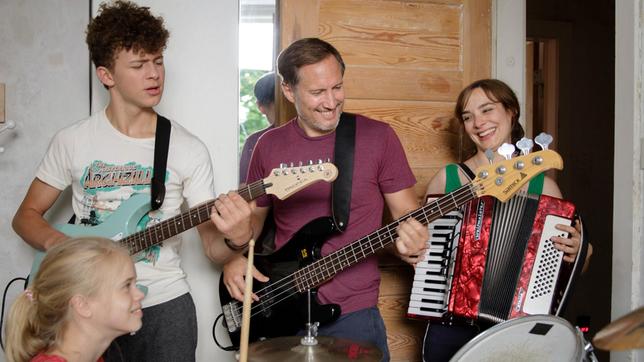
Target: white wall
44,62
508,46
628,239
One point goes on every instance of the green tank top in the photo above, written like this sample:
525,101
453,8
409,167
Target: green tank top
452,181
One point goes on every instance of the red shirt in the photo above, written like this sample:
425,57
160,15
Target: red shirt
42,357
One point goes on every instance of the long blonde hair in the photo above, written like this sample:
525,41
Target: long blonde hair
39,316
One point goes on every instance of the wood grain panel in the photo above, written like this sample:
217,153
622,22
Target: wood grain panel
402,84
297,19
396,34
477,40
447,2
423,176
404,336
427,131
396,280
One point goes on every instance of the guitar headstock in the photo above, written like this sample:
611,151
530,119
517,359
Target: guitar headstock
285,181
502,179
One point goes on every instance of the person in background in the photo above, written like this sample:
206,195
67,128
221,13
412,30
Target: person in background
264,91
489,111
83,297
109,157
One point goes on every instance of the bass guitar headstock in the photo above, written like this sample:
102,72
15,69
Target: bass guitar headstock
285,181
504,178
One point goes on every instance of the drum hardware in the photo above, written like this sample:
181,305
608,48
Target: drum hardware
286,349
625,333
531,338
312,348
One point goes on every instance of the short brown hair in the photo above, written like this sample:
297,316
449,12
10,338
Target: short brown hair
497,91
124,25
303,52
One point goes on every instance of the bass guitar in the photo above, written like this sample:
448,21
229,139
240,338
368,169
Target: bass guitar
298,267
121,225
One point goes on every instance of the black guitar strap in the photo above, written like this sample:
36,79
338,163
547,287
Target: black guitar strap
161,144
345,139
468,171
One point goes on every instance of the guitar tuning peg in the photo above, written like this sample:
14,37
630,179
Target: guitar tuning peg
490,156
506,150
543,140
310,162
283,165
525,145
319,161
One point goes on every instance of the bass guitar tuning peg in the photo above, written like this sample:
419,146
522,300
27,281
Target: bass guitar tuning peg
506,150
489,155
525,145
543,140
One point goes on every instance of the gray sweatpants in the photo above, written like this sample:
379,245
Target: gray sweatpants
169,334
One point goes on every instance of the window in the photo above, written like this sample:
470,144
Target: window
256,57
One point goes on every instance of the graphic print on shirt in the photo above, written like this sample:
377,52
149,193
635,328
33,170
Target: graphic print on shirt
106,185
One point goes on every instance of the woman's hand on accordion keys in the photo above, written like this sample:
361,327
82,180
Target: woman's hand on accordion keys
570,245
411,242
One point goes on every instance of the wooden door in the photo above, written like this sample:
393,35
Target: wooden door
407,60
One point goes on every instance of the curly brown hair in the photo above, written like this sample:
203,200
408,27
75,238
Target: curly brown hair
123,25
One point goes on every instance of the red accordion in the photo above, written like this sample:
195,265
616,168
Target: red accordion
494,261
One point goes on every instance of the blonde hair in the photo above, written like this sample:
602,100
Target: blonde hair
39,316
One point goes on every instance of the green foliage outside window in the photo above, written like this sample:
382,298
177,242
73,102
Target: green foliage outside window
251,119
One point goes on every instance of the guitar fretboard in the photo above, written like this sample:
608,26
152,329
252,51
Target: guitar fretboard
325,268
177,224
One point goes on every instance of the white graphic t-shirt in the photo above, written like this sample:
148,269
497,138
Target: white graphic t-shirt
106,167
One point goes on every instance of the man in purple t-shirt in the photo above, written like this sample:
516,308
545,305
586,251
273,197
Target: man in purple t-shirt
312,71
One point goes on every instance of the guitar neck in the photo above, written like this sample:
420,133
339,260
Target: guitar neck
175,225
327,267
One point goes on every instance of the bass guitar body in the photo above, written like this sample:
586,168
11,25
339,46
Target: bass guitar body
281,311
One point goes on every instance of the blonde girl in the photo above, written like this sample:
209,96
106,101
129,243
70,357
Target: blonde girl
83,297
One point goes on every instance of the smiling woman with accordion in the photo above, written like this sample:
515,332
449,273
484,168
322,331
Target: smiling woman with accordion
489,111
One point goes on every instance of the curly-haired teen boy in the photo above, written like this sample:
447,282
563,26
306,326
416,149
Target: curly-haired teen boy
109,156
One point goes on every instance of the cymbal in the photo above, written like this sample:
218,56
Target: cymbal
286,349
627,332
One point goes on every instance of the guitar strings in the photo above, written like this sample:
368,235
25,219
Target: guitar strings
148,237
463,194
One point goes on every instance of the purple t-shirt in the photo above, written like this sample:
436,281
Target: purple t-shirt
247,151
380,167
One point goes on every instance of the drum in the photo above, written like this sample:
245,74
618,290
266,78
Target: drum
532,338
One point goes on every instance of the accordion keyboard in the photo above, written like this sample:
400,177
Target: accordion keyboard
432,279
